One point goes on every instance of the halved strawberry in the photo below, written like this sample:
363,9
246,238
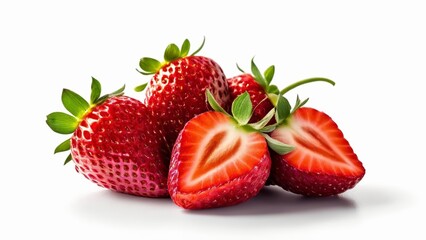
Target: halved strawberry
116,142
322,162
219,160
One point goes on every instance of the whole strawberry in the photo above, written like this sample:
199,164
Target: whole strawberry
262,93
322,162
176,92
220,160
116,142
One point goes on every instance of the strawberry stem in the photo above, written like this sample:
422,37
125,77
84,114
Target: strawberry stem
309,80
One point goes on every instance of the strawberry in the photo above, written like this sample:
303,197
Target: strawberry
176,92
263,95
322,162
259,88
219,160
116,142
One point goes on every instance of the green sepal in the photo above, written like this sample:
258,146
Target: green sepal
277,146
269,74
268,128
96,90
61,122
74,103
140,88
242,108
213,103
264,121
149,65
64,146
199,49
299,104
240,69
184,50
172,53
116,93
257,75
283,109
68,159
273,89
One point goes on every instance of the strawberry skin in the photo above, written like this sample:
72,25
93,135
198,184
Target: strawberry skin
261,102
176,93
118,146
214,163
322,163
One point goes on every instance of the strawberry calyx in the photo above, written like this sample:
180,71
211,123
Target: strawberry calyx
265,79
242,110
64,123
173,52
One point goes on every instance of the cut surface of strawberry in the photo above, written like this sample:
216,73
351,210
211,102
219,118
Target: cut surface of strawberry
217,163
215,150
220,160
322,162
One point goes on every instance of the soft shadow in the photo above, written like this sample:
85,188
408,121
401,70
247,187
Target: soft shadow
275,201
117,208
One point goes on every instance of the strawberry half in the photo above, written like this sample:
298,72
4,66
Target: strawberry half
219,160
322,162
116,142
176,92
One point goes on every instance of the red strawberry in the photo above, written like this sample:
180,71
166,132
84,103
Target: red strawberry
219,160
322,162
258,86
176,92
116,142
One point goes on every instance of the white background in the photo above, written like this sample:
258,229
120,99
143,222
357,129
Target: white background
374,50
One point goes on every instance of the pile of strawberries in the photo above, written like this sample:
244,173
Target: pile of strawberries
203,139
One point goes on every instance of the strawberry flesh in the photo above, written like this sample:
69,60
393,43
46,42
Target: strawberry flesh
216,163
322,163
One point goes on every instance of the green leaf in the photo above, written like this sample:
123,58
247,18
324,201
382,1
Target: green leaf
213,103
257,75
64,146
74,103
172,52
140,88
283,109
264,121
149,65
96,90
61,122
199,49
277,146
269,74
242,108
68,159
184,50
